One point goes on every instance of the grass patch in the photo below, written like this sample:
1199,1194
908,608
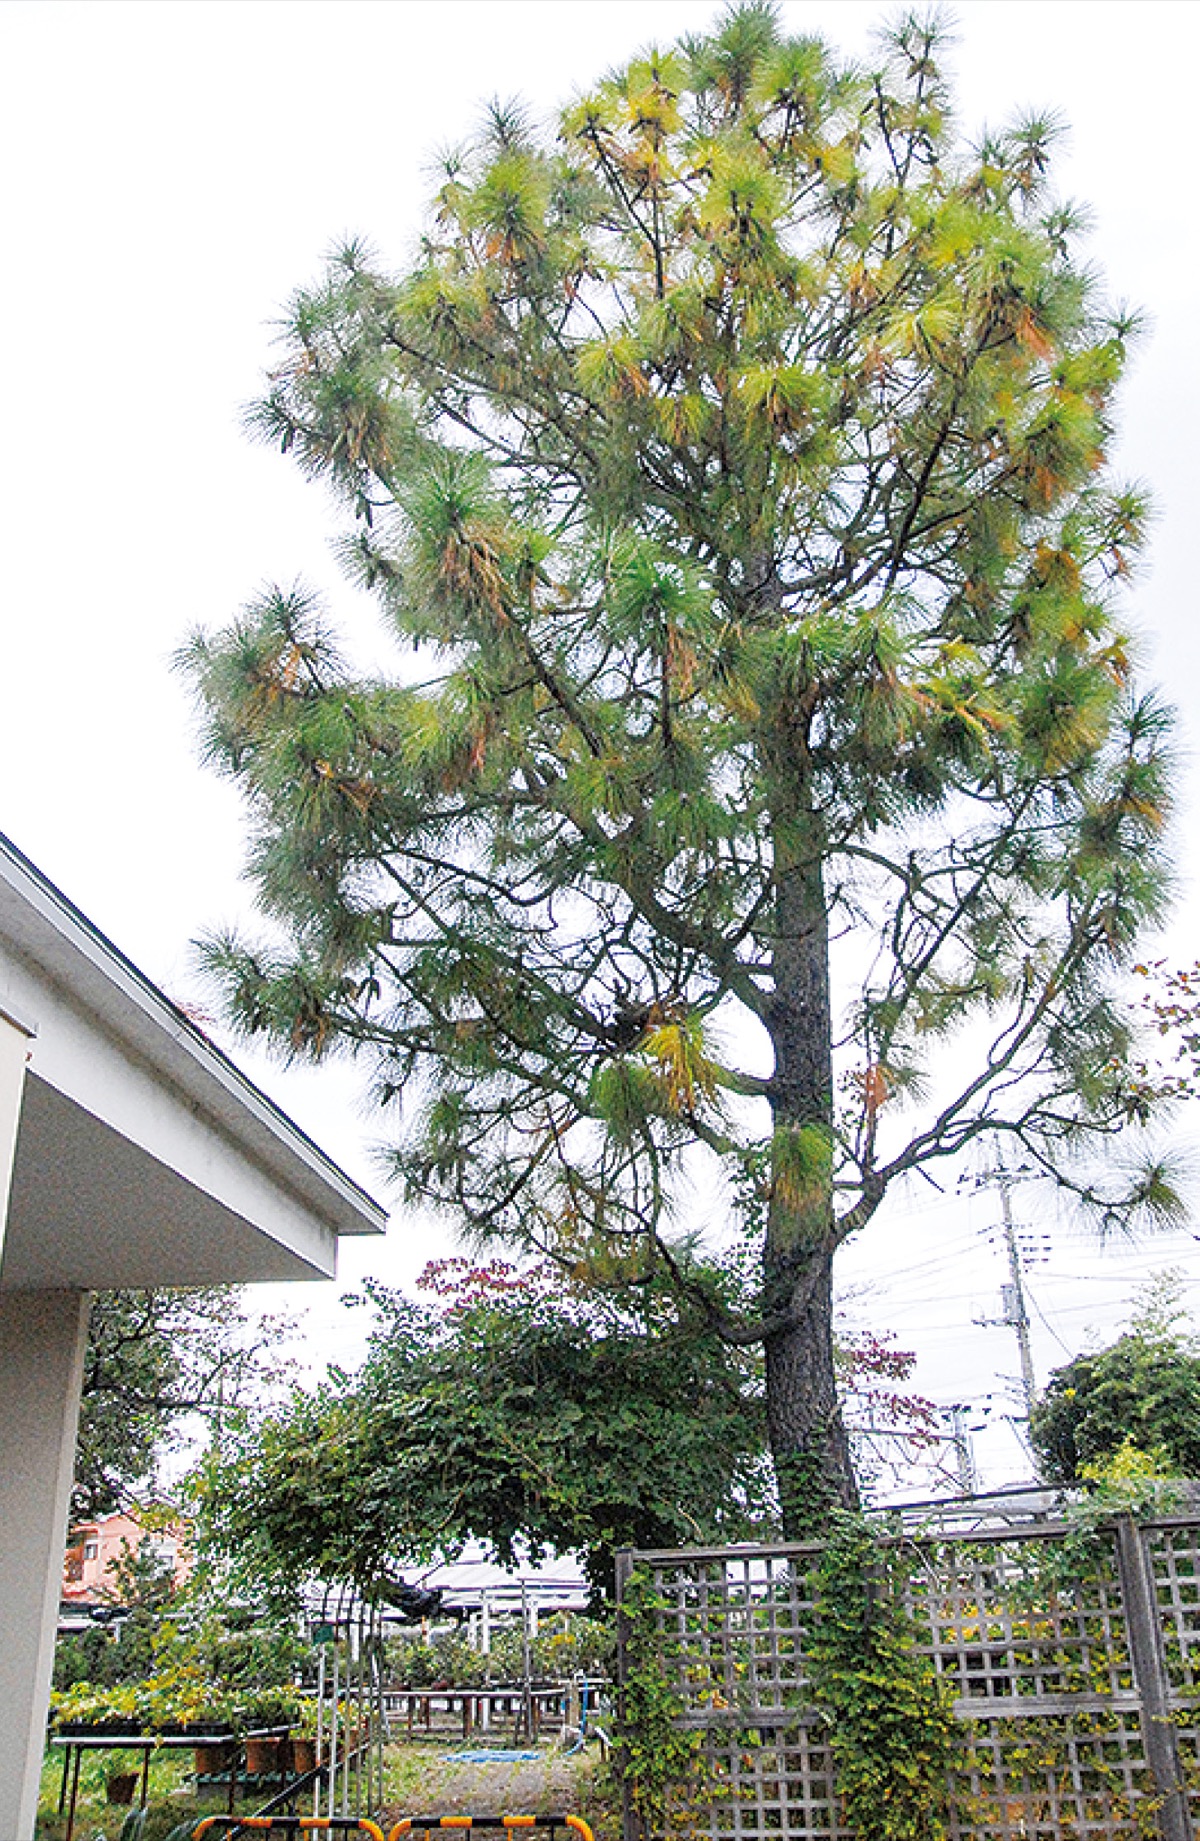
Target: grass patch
419,1779
172,1797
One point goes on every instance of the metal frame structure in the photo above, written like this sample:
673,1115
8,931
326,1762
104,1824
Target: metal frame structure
352,1725
290,1825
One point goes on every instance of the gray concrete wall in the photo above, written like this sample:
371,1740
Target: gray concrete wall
42,1336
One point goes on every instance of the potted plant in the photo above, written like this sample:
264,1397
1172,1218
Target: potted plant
303,1742
113,1710
213,1743
121,1786
266,1718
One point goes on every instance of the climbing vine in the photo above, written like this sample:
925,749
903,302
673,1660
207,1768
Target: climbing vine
890,1726
660,1765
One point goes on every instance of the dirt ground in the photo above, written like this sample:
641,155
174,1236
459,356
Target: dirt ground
429,1781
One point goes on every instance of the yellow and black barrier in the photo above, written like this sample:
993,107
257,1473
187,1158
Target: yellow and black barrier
291,1824
361,1824
411,1822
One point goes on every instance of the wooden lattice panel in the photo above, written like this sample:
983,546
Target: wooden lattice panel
733,1631
1027,1627
1175,1563
1050,1778
1008,1625
1188,1733
779,1785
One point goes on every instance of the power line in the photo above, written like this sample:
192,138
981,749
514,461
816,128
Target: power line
1066,1349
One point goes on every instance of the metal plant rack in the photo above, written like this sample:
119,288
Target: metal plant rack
352,1726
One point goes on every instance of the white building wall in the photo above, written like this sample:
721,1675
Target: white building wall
42,1338
131,1147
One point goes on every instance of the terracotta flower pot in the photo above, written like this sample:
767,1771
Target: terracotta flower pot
262,1757
212,1758
121,1786
304,1754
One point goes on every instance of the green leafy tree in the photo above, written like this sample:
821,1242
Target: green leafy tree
513,1413
1142,1391
154,1360
733,463
143,1585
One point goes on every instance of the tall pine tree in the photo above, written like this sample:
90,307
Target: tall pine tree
768,806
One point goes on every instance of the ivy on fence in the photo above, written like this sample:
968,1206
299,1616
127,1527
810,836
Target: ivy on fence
891,1725
887,1718
660,1764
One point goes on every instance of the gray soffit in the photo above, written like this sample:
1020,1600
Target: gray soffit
53,960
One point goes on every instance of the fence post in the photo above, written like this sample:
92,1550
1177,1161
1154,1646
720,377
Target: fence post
631,1827
1150,1677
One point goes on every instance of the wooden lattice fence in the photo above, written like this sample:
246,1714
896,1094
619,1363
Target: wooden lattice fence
1074,1667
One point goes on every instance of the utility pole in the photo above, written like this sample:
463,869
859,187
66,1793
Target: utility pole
964,1456
1015,1314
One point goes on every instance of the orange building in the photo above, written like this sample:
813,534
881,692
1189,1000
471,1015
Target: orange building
95,1546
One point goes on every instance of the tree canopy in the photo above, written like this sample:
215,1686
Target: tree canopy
153,1360
1143,1389
508,1410
762,801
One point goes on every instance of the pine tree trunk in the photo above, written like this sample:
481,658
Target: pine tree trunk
809,1446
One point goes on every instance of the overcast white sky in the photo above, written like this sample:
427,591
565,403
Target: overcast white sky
173,170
